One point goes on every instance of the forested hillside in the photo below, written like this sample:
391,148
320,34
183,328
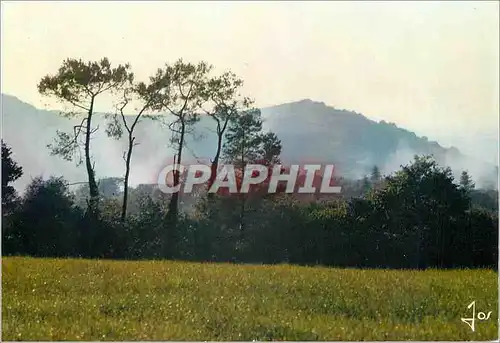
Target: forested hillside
419,214
308,130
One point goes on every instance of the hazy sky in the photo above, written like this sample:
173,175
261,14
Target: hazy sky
429,67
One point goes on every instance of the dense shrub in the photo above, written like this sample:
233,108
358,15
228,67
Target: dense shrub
415,218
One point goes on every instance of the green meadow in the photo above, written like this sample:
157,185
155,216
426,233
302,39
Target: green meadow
73,299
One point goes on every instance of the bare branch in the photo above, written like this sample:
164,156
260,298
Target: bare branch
79,127
74,103
92,131
186,99
125,103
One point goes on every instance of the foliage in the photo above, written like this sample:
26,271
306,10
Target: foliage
11,171
46,221
417,218
375,175
244,140
466,181
78,84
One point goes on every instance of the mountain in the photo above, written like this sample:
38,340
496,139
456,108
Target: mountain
310,132
355,143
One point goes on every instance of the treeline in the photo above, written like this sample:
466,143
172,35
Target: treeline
418,217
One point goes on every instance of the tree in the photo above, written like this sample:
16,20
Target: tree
247,144
146,94
375,175
244,139
365,185
11,171
485,198
45,224
466,182
224,103
180,92
481,240
271,149
109,188
422,204
78,84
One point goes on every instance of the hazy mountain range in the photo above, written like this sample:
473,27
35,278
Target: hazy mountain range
310,132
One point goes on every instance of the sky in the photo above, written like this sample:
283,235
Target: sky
430,67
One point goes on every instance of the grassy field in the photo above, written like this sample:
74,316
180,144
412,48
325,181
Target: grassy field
63,299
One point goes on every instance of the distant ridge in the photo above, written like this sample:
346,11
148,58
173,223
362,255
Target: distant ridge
309,130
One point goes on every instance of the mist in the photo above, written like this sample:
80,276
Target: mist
309,130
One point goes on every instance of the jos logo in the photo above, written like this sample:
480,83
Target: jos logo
481,316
